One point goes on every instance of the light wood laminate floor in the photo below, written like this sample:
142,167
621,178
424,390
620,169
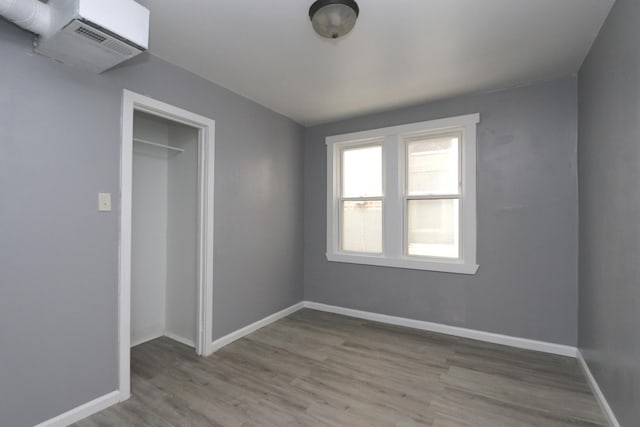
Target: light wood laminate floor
319,369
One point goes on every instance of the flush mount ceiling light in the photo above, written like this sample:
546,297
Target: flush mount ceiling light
333,18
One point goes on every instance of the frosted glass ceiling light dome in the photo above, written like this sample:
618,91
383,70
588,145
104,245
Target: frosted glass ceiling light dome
333,18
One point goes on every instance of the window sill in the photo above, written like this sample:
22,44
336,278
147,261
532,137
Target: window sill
409,263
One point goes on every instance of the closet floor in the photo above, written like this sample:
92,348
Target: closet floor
319,369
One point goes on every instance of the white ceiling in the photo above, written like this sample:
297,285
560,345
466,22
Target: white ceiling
401,52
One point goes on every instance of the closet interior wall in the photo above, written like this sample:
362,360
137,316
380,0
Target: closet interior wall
164,279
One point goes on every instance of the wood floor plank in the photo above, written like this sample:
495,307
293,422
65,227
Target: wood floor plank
320,369
566,404
455,408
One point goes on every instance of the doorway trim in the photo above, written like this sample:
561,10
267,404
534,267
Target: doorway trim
132,102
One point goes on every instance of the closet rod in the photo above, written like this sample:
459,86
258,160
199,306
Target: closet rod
155,144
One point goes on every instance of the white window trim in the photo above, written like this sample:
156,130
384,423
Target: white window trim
393,254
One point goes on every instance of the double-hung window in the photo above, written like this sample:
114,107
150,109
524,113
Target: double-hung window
404,196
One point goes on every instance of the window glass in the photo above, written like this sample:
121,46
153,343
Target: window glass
362,226
433,165
432,228
362,171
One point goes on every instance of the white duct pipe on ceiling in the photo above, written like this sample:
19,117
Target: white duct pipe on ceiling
31,15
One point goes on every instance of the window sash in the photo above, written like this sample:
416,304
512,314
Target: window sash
459,236
355,146
407,140
340,216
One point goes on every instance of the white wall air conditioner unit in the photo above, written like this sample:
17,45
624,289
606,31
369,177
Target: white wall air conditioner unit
94,34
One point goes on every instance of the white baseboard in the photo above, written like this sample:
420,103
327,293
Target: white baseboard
83,411
528,344
597,391
233,336
179,339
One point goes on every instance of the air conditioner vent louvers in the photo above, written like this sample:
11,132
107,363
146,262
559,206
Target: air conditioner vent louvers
84,31
117,47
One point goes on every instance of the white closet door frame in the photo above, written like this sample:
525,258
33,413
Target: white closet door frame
132,102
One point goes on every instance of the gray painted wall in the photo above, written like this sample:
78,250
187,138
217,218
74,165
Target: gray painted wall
59,134
527,222
609,171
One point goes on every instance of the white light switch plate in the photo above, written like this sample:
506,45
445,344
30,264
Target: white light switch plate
104,202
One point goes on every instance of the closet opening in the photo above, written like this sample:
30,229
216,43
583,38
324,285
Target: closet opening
166,228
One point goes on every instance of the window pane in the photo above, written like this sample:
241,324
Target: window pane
433,164
362,226
433,228
362,172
